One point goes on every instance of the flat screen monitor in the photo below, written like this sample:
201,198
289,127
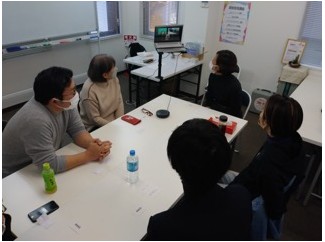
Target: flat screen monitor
168,33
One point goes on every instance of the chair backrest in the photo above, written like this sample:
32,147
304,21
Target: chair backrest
4,123
135,48
246,101
237,74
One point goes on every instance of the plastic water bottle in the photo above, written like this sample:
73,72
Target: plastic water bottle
132,163
49,178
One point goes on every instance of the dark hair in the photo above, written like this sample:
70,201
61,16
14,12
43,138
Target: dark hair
283,115
99,65
227,62
200,153
50,83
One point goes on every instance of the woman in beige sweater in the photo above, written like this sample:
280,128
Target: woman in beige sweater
101,98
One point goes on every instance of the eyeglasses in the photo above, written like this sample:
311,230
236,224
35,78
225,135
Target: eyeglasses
145,111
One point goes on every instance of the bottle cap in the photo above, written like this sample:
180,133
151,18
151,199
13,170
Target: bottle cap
46,165
132,152
223,118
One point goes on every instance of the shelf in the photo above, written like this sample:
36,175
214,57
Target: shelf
36,46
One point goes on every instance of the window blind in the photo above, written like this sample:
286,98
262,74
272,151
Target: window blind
311,32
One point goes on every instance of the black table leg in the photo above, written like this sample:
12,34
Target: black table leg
138,91
130,102
198,84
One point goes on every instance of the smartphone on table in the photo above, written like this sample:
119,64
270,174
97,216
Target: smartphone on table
48,208
130,119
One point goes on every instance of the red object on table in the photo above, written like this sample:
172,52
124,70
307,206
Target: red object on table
231,125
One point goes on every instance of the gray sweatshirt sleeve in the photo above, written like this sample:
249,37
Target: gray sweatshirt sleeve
75,125
40,147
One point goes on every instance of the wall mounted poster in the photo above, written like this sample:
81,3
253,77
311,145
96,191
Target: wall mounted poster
293,49
234,22
128,39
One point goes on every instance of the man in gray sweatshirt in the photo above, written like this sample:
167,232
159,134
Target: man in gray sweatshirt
37,130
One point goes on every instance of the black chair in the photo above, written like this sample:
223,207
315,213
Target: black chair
4,123
263,227
246,100
134,48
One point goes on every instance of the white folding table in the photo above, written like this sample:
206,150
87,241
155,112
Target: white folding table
96,202
172,66
309,95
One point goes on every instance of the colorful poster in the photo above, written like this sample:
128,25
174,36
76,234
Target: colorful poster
128,39
234,22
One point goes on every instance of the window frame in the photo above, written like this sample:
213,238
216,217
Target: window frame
304,61
106,34
142,19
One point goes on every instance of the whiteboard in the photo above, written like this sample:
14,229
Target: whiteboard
27,21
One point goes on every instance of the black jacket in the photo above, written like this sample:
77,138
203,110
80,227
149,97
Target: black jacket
219,214
224,94
277,162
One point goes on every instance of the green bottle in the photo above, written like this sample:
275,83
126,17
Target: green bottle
49,178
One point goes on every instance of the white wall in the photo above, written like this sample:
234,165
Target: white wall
18,74
270,25
194,18
131,23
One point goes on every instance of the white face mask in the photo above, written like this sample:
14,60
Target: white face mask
3,225
74,102
211,66
114,73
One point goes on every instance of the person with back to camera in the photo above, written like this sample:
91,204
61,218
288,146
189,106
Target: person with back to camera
37,130
100,98
278,167
200,154
224,90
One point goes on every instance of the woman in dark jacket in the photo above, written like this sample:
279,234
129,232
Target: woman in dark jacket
224,89
279,165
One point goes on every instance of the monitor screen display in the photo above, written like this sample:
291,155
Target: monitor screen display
168,33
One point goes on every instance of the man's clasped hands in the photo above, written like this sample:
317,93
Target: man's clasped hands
98,150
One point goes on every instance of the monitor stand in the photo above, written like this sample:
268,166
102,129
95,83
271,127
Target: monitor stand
159,65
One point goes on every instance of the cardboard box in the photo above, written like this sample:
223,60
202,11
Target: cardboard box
293,75
199,56
231,125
